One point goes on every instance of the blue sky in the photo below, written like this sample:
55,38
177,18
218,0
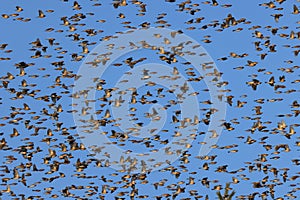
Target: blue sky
18,35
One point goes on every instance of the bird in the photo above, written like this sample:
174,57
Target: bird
295,9
41,14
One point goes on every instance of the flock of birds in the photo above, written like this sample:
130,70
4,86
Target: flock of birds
42,155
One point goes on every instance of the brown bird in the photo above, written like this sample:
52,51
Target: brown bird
295,9
41,14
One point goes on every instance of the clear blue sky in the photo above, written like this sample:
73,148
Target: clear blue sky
18,35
